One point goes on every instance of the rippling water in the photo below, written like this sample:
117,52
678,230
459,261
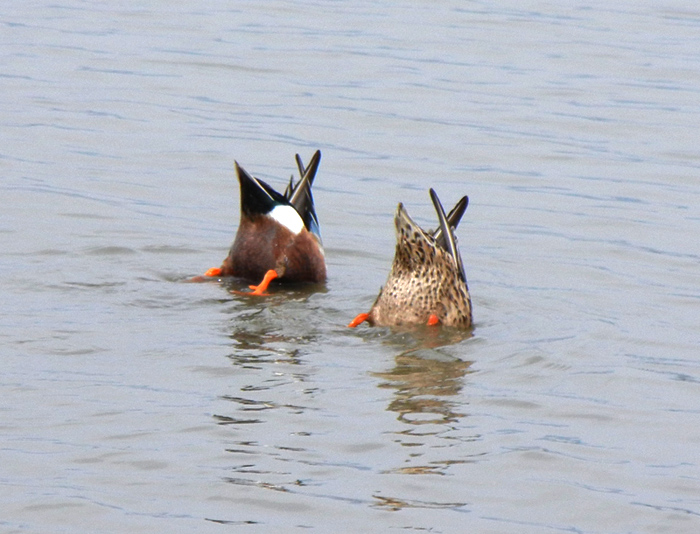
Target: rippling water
133,401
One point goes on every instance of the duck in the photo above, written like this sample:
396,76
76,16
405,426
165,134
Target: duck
427,284
278,237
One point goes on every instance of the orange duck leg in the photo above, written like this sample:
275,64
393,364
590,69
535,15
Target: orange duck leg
361,318
260,289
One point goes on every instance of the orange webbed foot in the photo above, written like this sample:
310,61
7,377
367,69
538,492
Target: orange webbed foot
433,320
260,289
361,318
214,272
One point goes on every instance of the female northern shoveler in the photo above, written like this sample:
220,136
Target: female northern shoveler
427,284
278,236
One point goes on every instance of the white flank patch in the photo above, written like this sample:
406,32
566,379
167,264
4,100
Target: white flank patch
288,217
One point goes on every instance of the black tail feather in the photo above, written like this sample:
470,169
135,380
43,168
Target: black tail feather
444,235
257,197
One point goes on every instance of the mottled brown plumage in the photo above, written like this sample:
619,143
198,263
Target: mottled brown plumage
426,284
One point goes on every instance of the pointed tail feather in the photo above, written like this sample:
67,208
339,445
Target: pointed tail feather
453,219
300,165
300,196
257,198
446,237
308,174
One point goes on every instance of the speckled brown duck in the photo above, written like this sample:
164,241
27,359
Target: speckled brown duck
427,284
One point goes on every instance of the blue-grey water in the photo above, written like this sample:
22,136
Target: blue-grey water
133,401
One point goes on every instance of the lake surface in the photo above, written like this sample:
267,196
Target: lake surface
136,402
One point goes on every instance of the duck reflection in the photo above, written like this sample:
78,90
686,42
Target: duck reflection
273,331
268,345
427,381
423,380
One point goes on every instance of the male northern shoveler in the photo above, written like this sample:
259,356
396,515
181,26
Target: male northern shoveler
427,284
278,236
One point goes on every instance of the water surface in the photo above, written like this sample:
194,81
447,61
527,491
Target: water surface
134,401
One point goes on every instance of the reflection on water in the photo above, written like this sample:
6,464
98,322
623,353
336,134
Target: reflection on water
393,504
424,375
427,381
572,128
269,340
274,328
280,418
268,337
423,381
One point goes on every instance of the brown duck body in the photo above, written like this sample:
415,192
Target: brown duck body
426,278
263,244
278,236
